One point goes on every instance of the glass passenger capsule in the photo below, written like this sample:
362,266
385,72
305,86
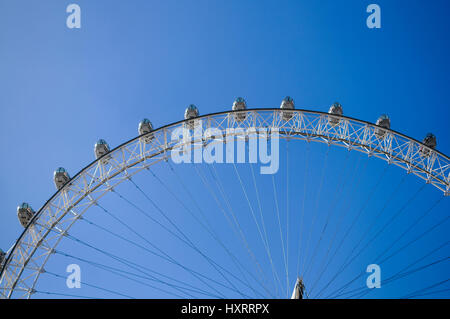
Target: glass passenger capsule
430,142
101,148
287,104
335,109
60,177
191,113
146,127
383,122
25,213
2,258
239,105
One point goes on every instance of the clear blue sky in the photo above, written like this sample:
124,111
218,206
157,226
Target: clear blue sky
61,89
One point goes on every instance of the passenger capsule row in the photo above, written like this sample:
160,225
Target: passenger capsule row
61,177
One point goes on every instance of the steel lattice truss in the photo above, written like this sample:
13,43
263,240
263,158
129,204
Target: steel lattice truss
52,222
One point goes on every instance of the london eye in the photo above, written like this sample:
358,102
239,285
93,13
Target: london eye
140,225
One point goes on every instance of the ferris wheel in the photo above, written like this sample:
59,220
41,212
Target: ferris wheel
141,225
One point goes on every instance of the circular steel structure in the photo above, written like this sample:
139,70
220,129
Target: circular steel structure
26,260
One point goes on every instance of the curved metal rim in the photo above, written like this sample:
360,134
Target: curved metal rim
37,214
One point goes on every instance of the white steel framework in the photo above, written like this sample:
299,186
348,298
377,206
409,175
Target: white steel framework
27,258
